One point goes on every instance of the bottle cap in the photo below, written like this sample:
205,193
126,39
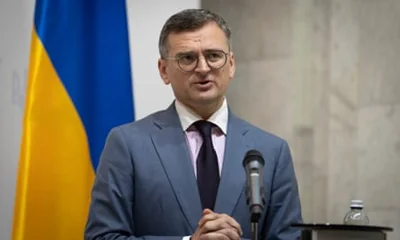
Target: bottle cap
357,204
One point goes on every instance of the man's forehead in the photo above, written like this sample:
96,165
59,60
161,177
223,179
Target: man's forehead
209,36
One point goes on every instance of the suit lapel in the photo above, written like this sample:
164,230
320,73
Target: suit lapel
171,146
233,175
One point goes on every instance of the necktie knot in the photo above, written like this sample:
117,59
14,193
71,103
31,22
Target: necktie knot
204,127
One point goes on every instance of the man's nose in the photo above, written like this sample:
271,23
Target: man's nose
202,65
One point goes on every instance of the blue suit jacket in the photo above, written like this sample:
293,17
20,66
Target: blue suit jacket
145,186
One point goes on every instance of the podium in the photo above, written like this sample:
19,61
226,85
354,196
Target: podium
326,231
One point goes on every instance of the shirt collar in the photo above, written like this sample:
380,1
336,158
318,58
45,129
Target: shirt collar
187,116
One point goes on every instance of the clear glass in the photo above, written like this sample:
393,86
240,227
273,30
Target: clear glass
356,216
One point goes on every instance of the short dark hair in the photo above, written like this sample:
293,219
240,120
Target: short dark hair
190,20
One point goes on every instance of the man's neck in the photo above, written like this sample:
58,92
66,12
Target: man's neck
205,111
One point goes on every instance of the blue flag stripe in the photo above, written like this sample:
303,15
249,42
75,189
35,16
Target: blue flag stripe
89,48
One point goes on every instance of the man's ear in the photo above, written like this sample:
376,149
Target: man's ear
162,69
232,67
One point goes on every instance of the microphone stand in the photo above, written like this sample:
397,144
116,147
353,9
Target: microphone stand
254,228
255,214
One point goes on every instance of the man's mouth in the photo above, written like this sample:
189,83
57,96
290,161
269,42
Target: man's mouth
204,85
204,82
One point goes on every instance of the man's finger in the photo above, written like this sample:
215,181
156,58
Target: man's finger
214,235
230,232
206,218
211,222
215,225
232,222
207,211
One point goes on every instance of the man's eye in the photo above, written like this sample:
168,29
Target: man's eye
214,56
187,59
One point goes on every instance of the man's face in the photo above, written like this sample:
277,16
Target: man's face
203,85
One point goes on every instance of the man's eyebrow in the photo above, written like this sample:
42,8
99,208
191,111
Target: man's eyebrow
214,50
185,53
194,52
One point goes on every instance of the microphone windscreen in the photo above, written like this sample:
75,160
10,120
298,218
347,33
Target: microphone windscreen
252,155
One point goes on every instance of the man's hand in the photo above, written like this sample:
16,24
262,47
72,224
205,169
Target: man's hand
214,226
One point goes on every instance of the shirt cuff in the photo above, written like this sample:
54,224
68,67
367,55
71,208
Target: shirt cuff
186,238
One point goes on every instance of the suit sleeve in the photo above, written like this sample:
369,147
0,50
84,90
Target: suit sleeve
111,209
284,206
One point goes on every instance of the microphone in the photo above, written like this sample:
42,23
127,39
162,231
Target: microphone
253,164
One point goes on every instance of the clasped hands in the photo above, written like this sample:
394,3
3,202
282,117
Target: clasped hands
215,226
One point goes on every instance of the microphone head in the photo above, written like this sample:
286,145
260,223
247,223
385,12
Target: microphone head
253,155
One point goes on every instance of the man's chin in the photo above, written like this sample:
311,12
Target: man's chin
206,98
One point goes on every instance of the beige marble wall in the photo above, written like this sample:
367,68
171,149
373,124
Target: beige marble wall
343,106
379,110
325,75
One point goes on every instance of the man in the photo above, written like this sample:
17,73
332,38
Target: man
177,174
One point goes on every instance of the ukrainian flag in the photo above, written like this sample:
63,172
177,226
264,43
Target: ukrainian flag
79,87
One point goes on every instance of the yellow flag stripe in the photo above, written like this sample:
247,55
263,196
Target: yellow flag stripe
52,196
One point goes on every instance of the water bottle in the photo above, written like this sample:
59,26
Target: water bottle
356,215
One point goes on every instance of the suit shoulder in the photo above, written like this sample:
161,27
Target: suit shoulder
264,140
270,145
143,125
263,134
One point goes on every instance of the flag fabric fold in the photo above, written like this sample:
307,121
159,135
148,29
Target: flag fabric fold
79,87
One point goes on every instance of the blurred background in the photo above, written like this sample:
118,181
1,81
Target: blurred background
323,74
